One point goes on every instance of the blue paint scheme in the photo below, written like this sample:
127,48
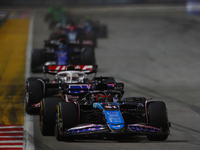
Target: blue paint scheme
86,130
97,105
88,29
116,127
109,85
114,119
83,88
62,57
62,53
80,88
143,128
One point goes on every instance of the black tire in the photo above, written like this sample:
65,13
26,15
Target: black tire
47,115
66,117
88,56
93,37
34,93
37,59
157,117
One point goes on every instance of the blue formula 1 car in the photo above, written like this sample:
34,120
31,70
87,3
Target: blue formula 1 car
62,52
103,112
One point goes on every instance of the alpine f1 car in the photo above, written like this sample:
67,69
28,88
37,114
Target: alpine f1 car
74,79
59,52
102,111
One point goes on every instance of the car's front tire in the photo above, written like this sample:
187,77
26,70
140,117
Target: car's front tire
47,115
66,117
158,117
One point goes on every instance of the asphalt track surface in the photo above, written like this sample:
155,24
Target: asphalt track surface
155,52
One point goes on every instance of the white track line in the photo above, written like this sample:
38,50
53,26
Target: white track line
11,131
28,119
11,146
11,136
10,127
16,141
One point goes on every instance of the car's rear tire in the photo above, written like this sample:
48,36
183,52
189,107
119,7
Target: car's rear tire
88,56
37,59
47,115
34,93
66,117
157,117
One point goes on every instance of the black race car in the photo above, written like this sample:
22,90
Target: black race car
102,111
74,32
74,79
59,52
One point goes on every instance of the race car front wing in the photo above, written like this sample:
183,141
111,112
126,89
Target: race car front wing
98,128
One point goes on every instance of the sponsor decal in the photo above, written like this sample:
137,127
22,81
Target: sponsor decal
114,119
87,42
78,88
58,68
143,128
87,128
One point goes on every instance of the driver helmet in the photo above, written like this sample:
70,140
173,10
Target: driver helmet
67,78
75,78
100,98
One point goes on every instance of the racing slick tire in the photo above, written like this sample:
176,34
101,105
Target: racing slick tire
157,117
37,59
47,115
88,56
34,93
66,117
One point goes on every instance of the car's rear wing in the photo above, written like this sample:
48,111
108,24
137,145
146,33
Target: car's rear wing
81,88
53,69
56,43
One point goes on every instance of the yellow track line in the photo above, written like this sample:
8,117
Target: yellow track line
13,41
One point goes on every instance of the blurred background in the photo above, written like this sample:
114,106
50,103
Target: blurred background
85,2
152,47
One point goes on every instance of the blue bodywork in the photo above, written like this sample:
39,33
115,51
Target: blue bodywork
114,122
63,54
114,119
